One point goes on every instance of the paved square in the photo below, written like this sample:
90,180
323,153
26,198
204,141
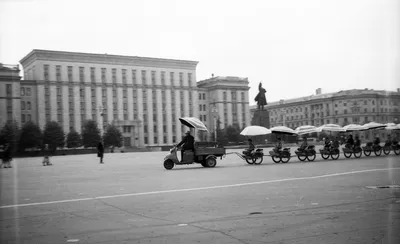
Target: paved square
133,199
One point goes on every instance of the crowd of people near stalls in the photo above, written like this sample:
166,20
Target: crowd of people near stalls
350,142
329,143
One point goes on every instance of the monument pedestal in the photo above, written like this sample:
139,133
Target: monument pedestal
261,118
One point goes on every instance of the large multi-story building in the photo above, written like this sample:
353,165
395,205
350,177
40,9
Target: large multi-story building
225,99
344,107
10,103
142,96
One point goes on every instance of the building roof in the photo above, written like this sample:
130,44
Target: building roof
224,81
38,54
10,67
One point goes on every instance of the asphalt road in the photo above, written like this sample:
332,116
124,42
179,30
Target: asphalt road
133,199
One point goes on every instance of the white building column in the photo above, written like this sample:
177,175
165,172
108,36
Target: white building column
53,102
130,103
220,108
120,105
229,118
195,103
178,115
139,130
41,106
65,104
88,101
186,103
168,107
150,120
77,109
99,108
239,110
160,122
110,106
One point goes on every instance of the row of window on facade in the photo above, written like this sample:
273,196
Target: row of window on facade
26,105
202,96
346,120
114,92
26,91
25,118
320,106
354,111
114,75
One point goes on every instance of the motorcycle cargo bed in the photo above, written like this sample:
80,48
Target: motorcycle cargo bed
217,151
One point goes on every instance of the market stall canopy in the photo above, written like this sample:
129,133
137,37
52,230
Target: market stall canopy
392,126
374,125
283,130
193,122
255,130
354,127
331,127
306,129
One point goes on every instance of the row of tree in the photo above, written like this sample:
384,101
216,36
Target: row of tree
31,136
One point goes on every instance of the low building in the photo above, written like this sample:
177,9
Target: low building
357,106
10,99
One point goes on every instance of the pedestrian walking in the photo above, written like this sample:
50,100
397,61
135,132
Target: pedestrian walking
46,154
7,156
100,152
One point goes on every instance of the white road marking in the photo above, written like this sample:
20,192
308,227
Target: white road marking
182,225
197,188
73,240
314,203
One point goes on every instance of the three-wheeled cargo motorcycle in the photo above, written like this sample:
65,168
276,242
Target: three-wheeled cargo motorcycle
204,153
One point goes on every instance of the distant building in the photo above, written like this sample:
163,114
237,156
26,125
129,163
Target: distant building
344,107
10,99
225,99
144,97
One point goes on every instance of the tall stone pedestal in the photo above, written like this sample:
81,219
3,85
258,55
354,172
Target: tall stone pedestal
261,118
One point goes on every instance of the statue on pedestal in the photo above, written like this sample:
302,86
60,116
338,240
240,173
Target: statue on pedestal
260,98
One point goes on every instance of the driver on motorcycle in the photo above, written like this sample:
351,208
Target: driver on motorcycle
327,145
304,144
357,142
250,149
388,141
188,143
349,142
377,141
278,146
335,144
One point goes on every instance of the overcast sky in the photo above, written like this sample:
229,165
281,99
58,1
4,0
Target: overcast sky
292,46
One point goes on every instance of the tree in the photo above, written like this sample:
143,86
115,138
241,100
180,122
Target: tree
31,136
112,137
232,133
90,134
74,139
10,134
53,135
